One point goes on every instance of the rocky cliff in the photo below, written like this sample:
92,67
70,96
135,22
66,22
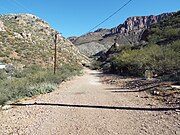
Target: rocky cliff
134,27
127,33
26,39
137,23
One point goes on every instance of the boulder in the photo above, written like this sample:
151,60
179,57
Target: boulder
2,27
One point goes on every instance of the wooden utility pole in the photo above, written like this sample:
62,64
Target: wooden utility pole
115,40
55,53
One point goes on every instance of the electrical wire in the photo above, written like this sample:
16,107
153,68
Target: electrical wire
111,15
21,5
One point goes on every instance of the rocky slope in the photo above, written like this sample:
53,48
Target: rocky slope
26,39
160,52
127,33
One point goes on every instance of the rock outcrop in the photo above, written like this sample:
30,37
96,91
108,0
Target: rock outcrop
33,41
89,44
2,28
138,23
127,33
89,37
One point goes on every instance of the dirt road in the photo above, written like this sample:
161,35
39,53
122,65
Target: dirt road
85,106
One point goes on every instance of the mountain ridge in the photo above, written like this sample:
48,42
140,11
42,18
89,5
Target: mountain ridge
126,33
159,53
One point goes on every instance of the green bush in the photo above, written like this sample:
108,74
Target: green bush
160,54
3,74
38,89
176,46
159,59
167,30
96,65
33,81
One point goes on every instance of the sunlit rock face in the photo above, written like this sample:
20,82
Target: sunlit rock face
128,32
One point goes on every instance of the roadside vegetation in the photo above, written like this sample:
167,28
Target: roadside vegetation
160,60
32,81
152,66
160,53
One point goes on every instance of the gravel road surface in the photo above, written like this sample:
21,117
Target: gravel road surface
86,106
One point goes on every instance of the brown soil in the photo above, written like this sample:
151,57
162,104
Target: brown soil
85,105
157,89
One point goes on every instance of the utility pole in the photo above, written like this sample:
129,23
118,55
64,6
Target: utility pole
55,54
115,40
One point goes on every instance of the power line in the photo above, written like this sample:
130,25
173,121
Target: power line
111,15
21,5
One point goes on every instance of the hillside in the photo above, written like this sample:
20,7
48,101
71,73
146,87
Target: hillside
26,39
27,48
165,32
128,32
160,52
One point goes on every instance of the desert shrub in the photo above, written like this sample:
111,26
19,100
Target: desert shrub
171,33
38,89
95,65
171,77
2,54
159,59
176,46
34,80
3,98
168,30
160,53
3,74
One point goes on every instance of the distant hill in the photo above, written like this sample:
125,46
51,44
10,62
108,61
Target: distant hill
158,51
26,39
128,32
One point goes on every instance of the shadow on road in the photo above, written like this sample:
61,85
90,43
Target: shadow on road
132,90
98,107
97,74
121,90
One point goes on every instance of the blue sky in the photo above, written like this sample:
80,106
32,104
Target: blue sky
77,17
